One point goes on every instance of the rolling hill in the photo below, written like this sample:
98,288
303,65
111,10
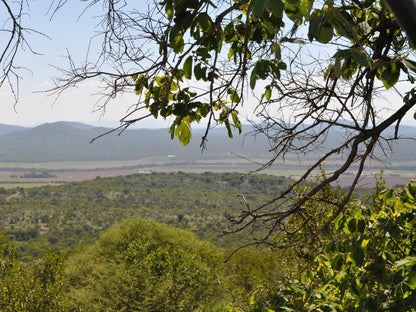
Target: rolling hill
71,142
68,141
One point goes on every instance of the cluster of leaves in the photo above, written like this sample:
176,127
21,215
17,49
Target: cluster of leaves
249,35
367,262
216,54
377,44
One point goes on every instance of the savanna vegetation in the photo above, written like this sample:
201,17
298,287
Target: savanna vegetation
126,243
149,259
70,214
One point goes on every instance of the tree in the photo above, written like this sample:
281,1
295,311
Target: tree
193,60
31,287
142,265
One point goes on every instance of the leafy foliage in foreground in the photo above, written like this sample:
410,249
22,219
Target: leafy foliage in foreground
368,263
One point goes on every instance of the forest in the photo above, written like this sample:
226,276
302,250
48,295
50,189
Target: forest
153,242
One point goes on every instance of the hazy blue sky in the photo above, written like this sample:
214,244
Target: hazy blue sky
68,31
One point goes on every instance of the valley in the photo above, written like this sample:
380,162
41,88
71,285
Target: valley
62,152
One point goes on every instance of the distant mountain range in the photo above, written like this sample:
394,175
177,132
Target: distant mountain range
70,141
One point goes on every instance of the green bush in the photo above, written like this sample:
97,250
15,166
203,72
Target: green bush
142,265
37,286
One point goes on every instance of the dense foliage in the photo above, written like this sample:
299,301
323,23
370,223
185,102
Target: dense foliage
367,261
145,266
37,286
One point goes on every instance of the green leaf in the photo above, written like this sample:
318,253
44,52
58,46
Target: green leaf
269,23
169,10
267,93
412,280
337,262
204,21
293,2
293,11
358,256
320,28
234,96
204,109
187,67
361,58
228,126
183,132
305,8
325,33
277,7
277,51
180,109
199,72
390,75
141,82
236,121
354,287
177,43
361,226
337,68
352,225
343,23
262,68
274,68
258,7
339,222
348,71
253,79
314,24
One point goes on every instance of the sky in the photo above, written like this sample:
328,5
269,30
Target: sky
67,32
70,32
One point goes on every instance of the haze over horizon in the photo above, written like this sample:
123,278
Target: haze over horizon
82,104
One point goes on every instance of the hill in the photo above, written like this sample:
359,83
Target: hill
68,142
4,129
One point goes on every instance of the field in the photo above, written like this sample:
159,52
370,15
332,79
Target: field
35,174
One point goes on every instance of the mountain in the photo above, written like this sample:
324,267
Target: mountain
69,141
64,141
75,124
4,129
